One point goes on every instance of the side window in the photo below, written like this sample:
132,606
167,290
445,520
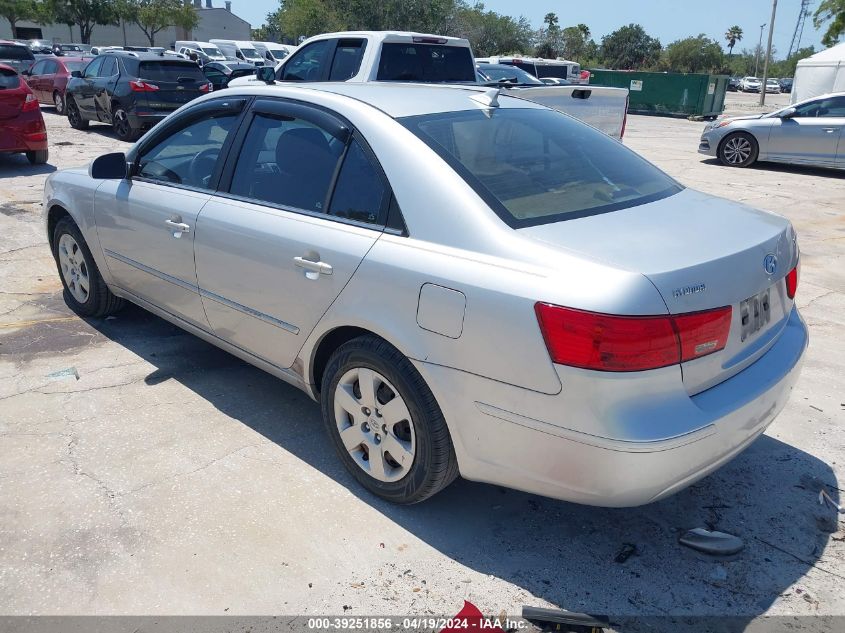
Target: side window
286,161
347,59
188,156
38,69
833,107
50,67
309,63
93,69
359,192
109,67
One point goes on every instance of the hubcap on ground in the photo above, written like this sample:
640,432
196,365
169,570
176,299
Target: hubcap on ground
74,268
375,425
737,150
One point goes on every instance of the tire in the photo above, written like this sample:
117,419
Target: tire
74,116
418,431
59,102
78,269
122,127
739,149
38,157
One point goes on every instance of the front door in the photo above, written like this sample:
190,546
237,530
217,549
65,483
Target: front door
147,223
104,88
810,136
276,248
83,93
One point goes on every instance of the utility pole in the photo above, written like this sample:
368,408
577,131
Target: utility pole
768,54
759,48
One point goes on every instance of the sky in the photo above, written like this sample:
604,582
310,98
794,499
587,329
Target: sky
667,20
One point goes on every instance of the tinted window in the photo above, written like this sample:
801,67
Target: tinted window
359,192
509,73
8,79
309,63
535,166
189,156
92,69
547,70
38,68
829,107
286,161
170,71
10,51
109,67
347,59
425,62
50,67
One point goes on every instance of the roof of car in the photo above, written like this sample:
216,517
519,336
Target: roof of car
399,100
142,55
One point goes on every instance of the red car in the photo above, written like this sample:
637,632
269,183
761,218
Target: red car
21,124
48,78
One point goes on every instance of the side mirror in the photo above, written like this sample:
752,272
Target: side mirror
267,74
109,167
26,73
76,73
788,113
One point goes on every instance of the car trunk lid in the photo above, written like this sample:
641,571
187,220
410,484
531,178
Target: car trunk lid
175,83
701,253
12,94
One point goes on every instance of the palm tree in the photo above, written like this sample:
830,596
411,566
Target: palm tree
585,31
551,20
732,36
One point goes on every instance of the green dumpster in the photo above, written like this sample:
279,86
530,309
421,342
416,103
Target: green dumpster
668,94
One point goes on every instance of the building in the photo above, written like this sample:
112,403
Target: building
214,22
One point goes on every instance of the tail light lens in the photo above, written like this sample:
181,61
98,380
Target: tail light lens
30,103
792,280
139,85
606,342
209,87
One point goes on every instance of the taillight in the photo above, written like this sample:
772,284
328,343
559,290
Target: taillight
30,103
792,280
139,85
209,87
607,342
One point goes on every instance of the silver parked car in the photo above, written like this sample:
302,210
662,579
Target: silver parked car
467,282
807,133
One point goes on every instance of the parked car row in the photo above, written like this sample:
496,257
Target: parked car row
753,84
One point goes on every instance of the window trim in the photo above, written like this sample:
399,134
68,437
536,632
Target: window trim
323,75
316,114
363,47
236,105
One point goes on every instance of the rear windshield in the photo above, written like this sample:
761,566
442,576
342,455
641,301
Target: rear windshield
425,62
10,51
170,71
8,79
536,166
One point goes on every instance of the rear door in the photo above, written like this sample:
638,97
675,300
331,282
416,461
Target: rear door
275,250
34,78
147,223
48,77
172,83
812,135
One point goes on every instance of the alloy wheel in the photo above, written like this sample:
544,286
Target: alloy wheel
73,114
74,268
121,124
59,102
737,150
375,424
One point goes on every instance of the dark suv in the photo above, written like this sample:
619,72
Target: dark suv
131,91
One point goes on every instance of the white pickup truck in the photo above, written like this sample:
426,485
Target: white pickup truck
415,57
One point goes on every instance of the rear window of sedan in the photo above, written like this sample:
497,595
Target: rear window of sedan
536,166
11,51
8,79
170,71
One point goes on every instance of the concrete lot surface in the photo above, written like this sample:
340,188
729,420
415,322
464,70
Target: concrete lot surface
143,471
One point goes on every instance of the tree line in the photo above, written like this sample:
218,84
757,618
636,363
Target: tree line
151,16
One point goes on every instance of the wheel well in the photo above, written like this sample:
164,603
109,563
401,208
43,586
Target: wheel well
55,214
327,346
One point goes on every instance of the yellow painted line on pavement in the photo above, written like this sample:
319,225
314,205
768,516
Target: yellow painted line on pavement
37,321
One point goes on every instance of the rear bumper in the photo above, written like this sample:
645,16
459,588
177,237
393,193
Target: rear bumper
22,136
517,438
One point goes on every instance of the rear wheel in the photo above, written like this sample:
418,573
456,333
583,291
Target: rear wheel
74,116
59,102
384,422
738,150
85,291
122,126
38,157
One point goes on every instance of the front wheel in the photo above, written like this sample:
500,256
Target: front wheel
738,150
74,116
384,422
122,126
59,102
85,291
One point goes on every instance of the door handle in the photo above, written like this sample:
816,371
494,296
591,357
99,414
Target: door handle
177,228
830,129
321,268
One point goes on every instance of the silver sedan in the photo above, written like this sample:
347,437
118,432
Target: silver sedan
468,283
807,133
